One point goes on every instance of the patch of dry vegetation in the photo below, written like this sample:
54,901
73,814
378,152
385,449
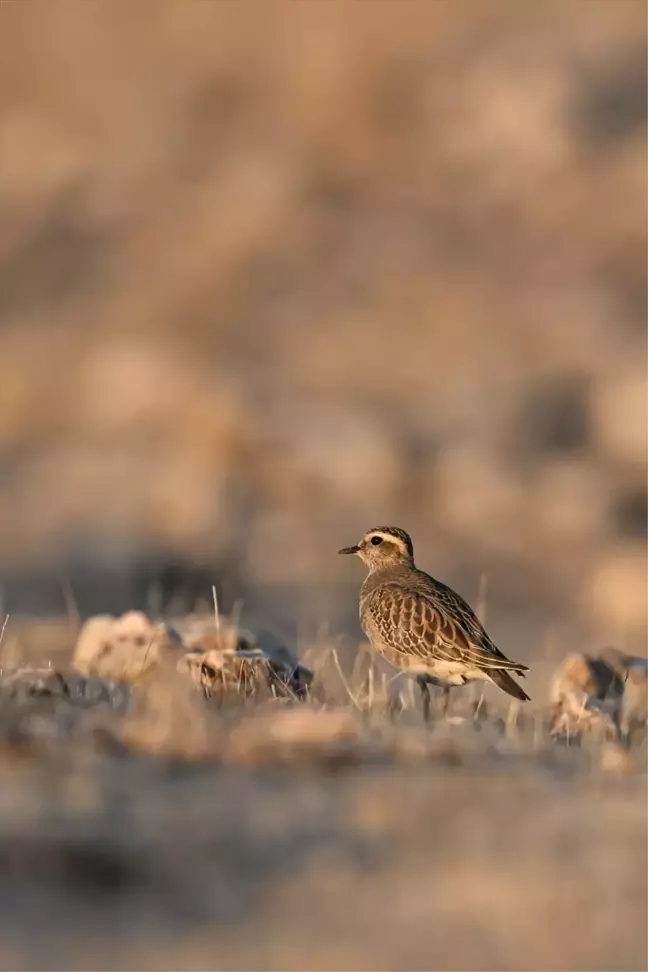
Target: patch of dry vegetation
246,829
605,692
203,687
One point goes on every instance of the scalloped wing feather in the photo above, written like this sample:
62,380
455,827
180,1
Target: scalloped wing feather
439,624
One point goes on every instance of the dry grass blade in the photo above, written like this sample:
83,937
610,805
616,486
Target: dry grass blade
482,592
71,605
236,613
216,611
4,626
2,633
480,702
146,653
512,717
370,688
343,679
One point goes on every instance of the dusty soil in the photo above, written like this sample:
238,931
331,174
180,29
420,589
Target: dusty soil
314,838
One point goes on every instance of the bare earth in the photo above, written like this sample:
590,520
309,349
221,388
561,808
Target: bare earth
314,837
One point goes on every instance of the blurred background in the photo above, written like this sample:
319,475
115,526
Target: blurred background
271,275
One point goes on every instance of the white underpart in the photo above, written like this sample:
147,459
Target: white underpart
452,673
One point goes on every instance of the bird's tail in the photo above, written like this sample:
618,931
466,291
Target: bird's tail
504,681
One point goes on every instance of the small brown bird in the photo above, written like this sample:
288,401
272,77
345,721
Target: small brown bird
421,625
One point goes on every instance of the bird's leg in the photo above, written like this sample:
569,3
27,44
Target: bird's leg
394,701
445,701
425,692
394,707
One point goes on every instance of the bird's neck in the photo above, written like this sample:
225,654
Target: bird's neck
392,565
377,574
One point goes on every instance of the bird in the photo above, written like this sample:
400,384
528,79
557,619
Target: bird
420,625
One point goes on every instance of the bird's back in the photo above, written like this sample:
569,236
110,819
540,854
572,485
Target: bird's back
412,612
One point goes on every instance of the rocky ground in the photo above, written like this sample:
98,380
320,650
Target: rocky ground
145,825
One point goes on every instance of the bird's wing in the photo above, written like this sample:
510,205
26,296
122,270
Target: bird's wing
437,623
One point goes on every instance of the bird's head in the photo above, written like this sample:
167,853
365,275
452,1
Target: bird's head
383,547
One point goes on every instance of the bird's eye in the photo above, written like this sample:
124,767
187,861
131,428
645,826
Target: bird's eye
376,540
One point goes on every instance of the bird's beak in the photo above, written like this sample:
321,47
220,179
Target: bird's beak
349,550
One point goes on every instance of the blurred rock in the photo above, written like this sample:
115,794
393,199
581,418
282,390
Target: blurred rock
230,662
33,683
606,692
27,684
124,648
586,695
634,710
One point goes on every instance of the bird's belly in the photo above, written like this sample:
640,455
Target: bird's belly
449,673
444,672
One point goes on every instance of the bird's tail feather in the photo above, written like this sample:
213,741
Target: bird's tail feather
504,681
